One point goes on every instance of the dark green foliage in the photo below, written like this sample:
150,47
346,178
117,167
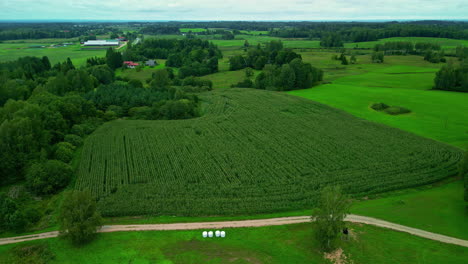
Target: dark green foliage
12,217
395,48
79,219
48,177
353,59
378,57
397,110
102,73
246,83
425,46
331,40
343,59
257,58
379,106
194,57
452,78
295,75
462,52
114,59
231,161
75,140
391,110
434,57
63,151
38,253
333,206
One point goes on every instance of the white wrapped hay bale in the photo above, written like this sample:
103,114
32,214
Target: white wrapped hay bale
223,234
210,234
205,234
217,233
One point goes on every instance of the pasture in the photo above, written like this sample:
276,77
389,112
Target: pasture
409,207
251,152
402,81
276,244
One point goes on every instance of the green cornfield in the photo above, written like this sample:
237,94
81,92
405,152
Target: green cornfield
251,152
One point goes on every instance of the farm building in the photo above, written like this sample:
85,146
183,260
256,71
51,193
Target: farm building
151,63
102,43
131,64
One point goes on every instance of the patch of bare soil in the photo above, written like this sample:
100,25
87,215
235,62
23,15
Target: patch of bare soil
337,256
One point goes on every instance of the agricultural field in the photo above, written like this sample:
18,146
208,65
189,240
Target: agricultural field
276,244
13,51
251,152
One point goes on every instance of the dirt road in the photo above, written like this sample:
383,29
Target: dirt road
250,223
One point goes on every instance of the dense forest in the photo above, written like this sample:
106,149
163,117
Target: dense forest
348,31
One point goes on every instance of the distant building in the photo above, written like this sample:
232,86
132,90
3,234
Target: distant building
102,43
151,63
131,64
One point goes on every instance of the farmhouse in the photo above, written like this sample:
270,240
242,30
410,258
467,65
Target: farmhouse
102,43
131,64
151,63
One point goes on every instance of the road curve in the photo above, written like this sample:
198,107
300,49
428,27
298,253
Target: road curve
249,223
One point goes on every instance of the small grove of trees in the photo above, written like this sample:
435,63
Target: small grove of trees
377,57
434,57
258,57
113,59
47,177
329,217
452,78
331,40
290,76
79,219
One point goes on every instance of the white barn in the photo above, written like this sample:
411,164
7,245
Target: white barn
102,43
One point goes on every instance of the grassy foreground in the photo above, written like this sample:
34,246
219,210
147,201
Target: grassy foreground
279,244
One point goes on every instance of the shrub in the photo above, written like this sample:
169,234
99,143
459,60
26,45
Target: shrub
75,140
48,177
397,110
379,106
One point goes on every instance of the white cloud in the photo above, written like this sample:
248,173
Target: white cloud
233,9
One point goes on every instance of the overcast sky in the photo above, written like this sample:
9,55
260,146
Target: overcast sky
233,9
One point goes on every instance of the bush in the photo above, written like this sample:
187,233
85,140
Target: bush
33,254
247,83
79,219
64,151
379,106
48,177
75,140
397,110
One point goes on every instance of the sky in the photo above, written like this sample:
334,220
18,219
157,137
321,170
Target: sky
233,9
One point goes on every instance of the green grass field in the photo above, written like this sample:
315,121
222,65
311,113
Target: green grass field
279,244
194,30
438,209
402,81
13,51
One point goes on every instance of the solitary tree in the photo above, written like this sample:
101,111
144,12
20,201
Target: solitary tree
329,217
79,220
